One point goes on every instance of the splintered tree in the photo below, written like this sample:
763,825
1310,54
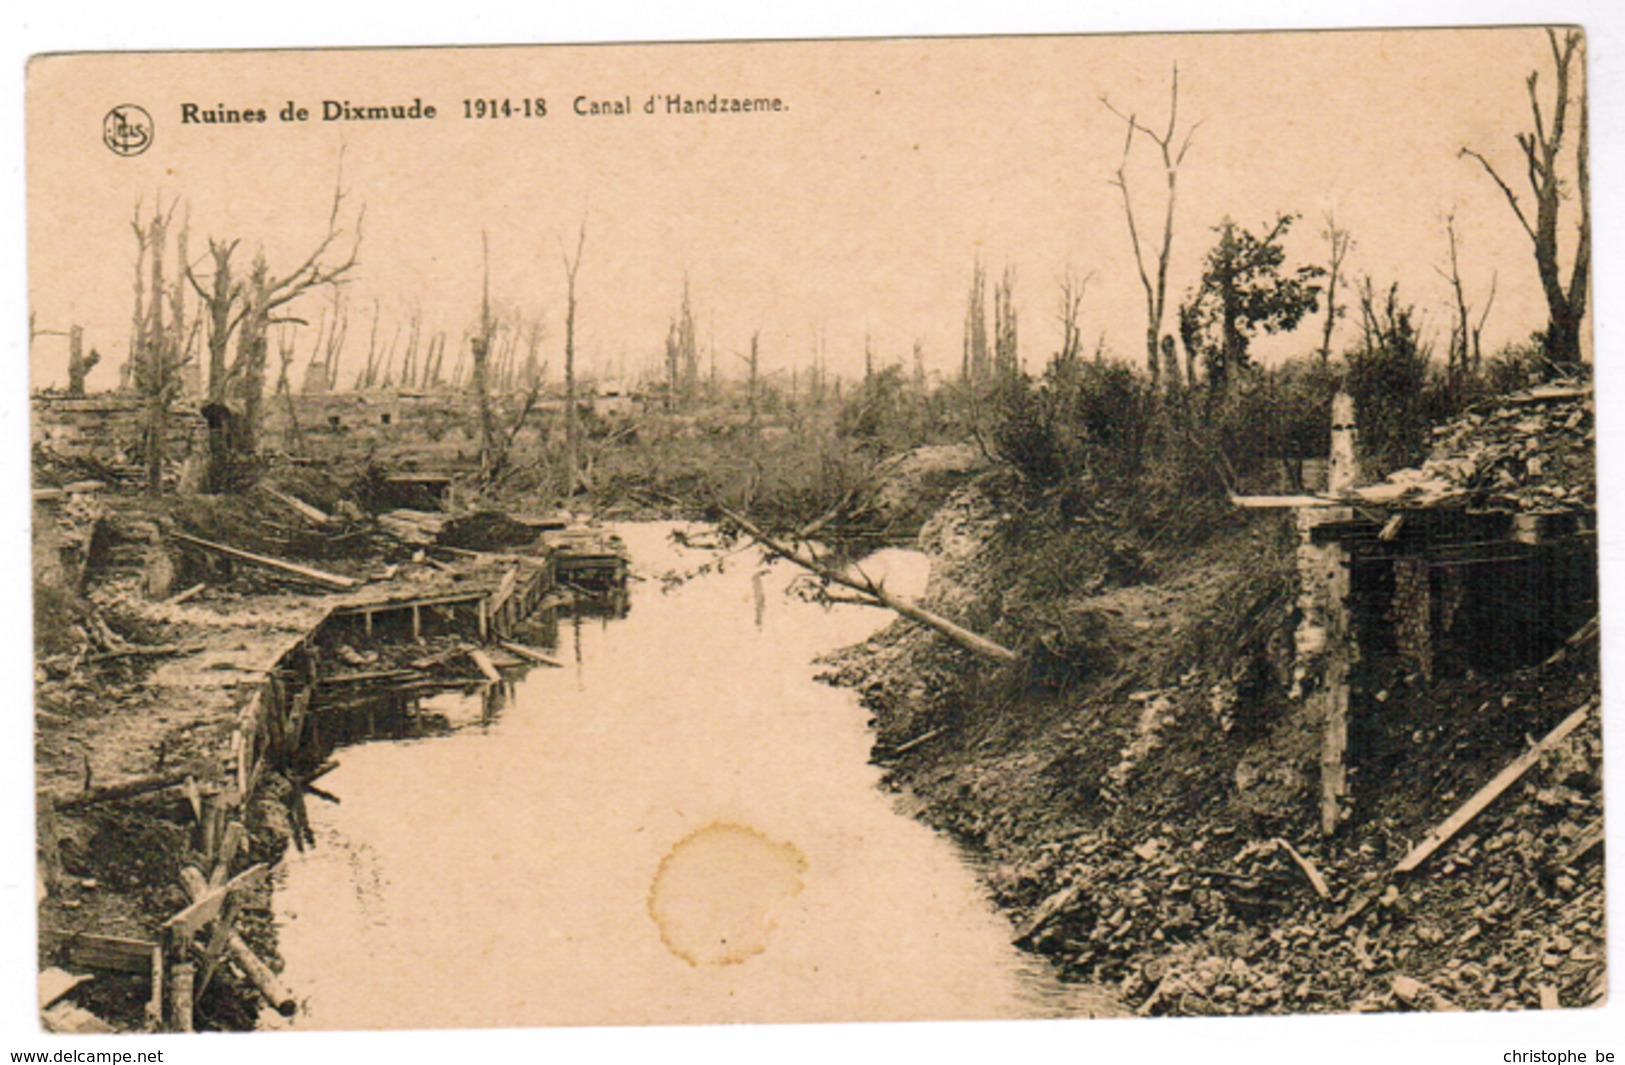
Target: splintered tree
1465,352
1006,360
480,350
1546,165
572,429
1243,290
79,364
1156,290
973,367
682,356
1072,289
1338,245
159,334
249,308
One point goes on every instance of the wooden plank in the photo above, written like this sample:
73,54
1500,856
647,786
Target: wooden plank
450,599
499,598
90,951
239,751
181,597
194,798
1316,880
219,937
485,665
331,580
235,835
68,1019
54,983
188,922
155,1001
298,506
1491,791
296,723
1286,502
530,654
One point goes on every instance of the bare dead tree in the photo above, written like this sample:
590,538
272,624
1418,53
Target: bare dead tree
338,328
1006,360
973,366
480,349
1465,350
158,338
284,385
1072,290
572,429
1338,245
1156,292
223,306
1543,154
249,308
79,364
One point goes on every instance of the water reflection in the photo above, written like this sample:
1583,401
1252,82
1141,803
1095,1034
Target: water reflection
508,867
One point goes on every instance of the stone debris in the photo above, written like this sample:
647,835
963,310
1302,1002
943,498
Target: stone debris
1534,451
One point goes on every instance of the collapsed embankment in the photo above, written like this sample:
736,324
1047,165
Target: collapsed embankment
1145,784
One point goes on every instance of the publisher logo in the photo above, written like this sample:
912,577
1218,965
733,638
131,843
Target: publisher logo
127,130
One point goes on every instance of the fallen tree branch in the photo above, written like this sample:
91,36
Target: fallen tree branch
959,634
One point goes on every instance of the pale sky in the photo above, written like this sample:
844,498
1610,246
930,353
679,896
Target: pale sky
860,209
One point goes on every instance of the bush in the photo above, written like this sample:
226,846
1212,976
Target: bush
1388,377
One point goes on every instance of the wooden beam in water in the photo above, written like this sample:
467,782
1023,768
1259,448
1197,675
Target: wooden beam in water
486,666
530,653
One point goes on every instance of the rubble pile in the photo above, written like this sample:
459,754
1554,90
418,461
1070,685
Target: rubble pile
1533,451
1211,918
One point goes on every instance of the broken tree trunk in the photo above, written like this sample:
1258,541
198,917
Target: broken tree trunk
1490,792
315,576
959,634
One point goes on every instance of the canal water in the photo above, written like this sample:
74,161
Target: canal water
679,826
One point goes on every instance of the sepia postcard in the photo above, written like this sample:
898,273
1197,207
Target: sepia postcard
910,529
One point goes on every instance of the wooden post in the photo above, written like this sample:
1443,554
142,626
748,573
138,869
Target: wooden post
417,623
485,622
1345,459
50,854
1324,643
366,617
1334,702
209,827
181,978
155,1004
